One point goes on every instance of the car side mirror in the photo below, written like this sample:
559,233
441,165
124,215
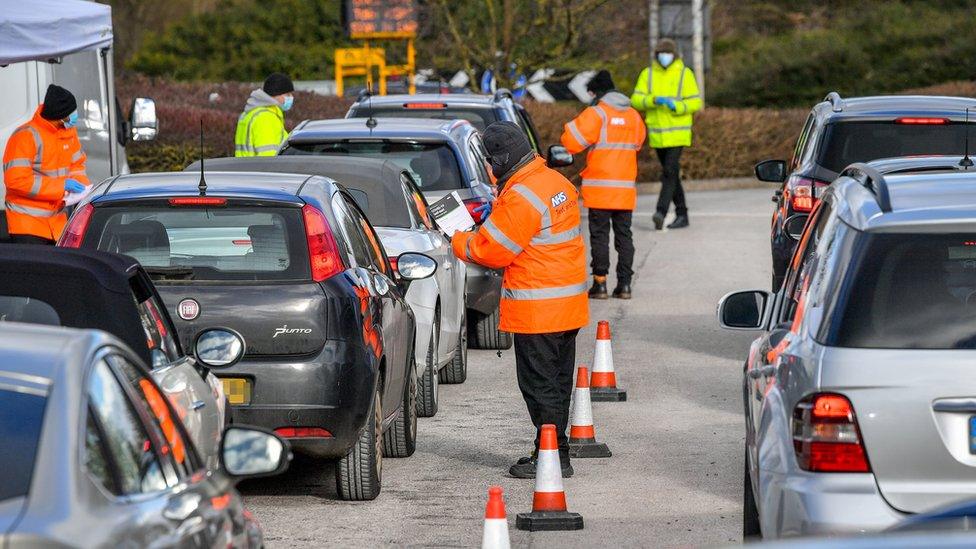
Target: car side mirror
772,171
143,123
249,452
743,310
794,225
412,266
558,157
218,347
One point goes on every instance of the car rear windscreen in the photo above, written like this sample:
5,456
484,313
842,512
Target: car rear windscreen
911,291
21,418
479,118
246,243
433,165
847,142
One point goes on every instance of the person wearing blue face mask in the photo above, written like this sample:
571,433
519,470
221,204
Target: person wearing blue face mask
261,127
42,164
667,94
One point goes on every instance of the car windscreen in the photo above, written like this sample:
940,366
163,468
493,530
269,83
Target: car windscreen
910,291
21,418
433,165
847,142
479,118
243,243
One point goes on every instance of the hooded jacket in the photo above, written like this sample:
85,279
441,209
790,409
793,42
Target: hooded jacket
667,128
261,127
614,133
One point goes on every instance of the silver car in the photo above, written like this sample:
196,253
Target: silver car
859,398
95,456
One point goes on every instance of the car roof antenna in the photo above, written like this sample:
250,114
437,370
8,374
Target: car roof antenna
966,161
370,121
203,182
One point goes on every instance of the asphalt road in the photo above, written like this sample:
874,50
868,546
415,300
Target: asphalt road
675,478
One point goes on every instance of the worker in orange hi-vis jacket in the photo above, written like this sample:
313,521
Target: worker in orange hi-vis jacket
613,132
533,233
42,164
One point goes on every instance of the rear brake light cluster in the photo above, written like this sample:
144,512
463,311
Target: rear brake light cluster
74,233
393,262
826,437
302,432
471,204
198,201
323,252
425,105
802,193
922,121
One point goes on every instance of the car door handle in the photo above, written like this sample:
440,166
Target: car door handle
765,371
197,405
955,405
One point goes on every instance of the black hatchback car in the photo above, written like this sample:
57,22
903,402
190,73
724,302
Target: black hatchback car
291,263
839,132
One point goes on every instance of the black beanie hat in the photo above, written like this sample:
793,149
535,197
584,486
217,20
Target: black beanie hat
58,103
506,145
277,83
600,84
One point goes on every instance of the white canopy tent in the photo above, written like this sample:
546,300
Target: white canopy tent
41,30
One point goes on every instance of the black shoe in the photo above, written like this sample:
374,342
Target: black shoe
622,291
525,468
679,223
599,288
658,221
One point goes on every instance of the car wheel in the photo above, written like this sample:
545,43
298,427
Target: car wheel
429,387
456,371
750,514
400,440
486,333
359,474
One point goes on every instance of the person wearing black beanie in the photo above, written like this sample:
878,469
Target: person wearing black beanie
43,164
261,127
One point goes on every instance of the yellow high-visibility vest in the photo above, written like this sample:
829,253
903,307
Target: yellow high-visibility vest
677,82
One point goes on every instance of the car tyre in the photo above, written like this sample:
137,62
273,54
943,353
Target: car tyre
750,513
400,440
487,335
456,371
359,475
429,386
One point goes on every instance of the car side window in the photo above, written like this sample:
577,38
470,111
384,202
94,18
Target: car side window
117,426
416,203
164,348
351,233
479,159
805,259
377,256
529,126
801,142
177,453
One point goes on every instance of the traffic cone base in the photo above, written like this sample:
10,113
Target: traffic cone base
607,394
592,449
540,521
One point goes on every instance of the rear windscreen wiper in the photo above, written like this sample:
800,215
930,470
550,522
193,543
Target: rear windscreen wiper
176,272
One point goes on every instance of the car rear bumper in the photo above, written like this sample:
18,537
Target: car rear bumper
817,504
483,289
331,391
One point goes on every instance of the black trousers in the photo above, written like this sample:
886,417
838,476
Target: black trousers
623,242
544,364
671,189
29,239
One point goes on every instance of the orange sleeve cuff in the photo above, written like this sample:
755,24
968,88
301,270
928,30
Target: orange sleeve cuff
459,244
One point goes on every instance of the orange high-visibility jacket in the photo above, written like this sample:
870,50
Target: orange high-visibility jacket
38,159
614,132
533,232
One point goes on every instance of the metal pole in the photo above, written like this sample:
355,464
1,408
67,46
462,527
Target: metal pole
698,43
654,32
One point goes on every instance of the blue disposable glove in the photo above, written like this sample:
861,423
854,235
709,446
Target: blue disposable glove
666,102
484,210
73,186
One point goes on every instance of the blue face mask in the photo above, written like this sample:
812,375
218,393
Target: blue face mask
289,101
665,59
72,120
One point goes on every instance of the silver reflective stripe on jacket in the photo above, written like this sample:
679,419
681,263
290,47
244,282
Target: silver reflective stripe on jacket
544,293
603,143
665,130
27,210
545,234
548,237
618,146
576,134
626,183
501,237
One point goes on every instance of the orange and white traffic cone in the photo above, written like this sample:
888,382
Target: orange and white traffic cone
549,501
496,525
603,382
582,436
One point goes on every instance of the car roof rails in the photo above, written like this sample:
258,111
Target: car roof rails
836,101
363,94
873,181
502,93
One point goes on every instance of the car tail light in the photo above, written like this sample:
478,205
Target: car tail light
302,432
425,105
471,204
802,192
323,252
74,233
198,201
922,121
393,262
826,437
